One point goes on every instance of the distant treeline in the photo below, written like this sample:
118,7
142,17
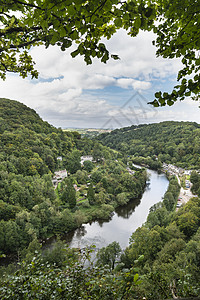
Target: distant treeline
171,142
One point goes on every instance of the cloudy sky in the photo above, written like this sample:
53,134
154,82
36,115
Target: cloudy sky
70,94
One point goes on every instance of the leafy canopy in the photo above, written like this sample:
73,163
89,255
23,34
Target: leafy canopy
178,35
82,24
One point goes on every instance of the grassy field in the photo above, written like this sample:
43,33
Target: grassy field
88,132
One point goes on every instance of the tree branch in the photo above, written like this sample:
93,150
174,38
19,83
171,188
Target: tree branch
18,29
29,5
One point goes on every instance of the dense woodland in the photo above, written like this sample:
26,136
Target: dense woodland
162,261
30,207
163,256
170,142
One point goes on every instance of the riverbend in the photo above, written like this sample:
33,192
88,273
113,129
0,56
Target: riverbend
125,221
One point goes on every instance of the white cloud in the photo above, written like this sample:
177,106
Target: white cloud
124,83
70,91
141,85
137,85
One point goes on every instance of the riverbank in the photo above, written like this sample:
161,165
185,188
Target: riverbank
185,193
125,220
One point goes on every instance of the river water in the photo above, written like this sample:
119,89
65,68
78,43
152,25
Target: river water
125,221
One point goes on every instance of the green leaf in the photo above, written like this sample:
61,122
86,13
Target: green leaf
158,94
115,57
136,276
187,94
74,35
155,103
162,101
71,10
108,5
88,60
137,22
54,39
44,24
62,32
74,53
141,258
118,22
170,102
165,95
67,43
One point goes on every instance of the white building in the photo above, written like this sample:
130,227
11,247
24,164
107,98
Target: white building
87,157
58,177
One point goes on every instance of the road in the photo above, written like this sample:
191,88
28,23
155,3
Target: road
185,195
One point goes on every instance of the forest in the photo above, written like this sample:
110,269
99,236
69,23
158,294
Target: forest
30,206
172,142
163,255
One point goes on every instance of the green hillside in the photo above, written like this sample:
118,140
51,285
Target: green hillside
28,144
163,256
14,114
29,148
171,142
31,207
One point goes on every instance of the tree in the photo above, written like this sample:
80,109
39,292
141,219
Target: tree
69,195
96,176
122,199
102,197
188,223
88,165
194,177
159,217
51,23
81,176
86,22
169,201
73,163
108,255
178,36
72,197
91,194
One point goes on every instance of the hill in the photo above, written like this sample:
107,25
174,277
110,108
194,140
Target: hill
163,256
31,150
14,114
29,145
171,142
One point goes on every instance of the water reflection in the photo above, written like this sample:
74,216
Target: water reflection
125,220
81,231
127,210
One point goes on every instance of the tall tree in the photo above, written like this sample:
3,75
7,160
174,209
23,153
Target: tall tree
69,195
91,194
73,163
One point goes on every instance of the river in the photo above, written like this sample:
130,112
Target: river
125,221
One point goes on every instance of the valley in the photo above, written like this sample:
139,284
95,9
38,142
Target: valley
83,191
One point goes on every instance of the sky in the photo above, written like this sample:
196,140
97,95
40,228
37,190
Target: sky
69,93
